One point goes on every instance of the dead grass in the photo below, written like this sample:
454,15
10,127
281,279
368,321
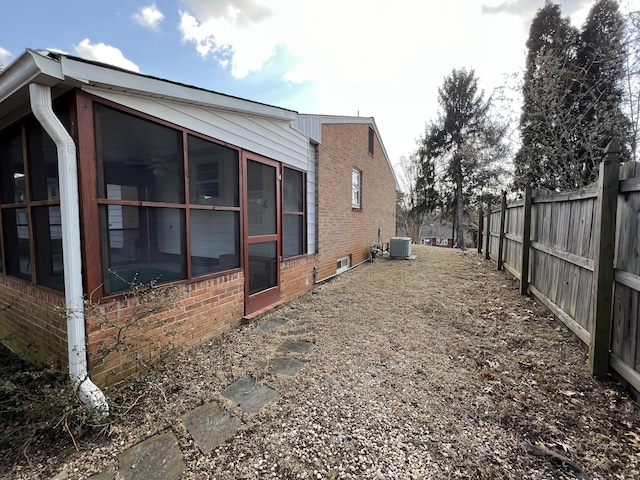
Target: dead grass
435,368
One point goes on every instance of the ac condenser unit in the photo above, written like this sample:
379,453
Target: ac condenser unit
400,247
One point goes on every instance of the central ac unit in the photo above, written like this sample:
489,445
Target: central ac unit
400,247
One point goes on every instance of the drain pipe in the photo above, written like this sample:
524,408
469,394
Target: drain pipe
90,395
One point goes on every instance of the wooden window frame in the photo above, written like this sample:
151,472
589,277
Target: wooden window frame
302,213
90,203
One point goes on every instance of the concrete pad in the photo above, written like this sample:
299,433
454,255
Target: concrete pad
410,257
156,457
249,395
271,324
296,346
285,366
108,473
210,426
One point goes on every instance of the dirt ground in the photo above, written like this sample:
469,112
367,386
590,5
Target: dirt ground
429,369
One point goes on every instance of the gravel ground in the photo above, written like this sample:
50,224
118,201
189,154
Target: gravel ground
429,369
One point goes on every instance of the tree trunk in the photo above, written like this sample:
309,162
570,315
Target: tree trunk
459,208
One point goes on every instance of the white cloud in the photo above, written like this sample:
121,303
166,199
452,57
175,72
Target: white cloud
225,41
383,59
241,13
149,17
527,8
5,56
101,52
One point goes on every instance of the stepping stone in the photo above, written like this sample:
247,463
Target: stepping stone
271,324
296,346
285,366
210,426
156,457
249,395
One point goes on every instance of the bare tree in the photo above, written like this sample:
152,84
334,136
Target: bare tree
410,217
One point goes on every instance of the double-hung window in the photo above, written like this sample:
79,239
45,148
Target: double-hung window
356,188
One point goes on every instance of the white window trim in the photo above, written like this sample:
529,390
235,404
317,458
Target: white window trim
356,188
345,264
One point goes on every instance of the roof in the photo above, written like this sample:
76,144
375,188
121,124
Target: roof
63,72
436,228
311,125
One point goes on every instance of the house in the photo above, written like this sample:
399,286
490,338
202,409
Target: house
111,178
437,232
357,190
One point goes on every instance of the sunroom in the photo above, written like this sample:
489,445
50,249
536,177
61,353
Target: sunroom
175,185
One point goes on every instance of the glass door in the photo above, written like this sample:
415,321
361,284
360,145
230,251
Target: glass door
262,252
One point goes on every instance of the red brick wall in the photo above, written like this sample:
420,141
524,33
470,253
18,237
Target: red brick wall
201,311
342,230
33,323
296,276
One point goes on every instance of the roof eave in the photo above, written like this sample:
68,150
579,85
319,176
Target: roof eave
142,85
27,68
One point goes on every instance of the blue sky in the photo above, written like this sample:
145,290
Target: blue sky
380,58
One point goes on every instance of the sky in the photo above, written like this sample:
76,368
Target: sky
372,58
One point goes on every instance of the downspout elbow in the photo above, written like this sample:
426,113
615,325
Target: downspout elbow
89,394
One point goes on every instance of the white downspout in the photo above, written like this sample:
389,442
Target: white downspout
41,105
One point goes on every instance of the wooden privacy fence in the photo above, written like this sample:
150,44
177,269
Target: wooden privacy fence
579,254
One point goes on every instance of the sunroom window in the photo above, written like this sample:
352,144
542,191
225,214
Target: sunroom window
141,163
294,213
158,224
31,229
214,194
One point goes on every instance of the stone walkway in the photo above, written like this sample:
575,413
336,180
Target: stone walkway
160,457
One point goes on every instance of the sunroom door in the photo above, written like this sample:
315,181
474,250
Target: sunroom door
262,252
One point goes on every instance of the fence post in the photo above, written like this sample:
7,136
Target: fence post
503,218
488,233
480,222
526,242
603,267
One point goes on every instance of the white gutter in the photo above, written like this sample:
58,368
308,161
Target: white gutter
41,105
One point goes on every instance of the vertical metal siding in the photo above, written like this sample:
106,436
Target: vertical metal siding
311,126
311,201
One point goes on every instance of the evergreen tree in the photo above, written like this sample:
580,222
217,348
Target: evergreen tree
548,99
600,60
632,80
466,142
572,97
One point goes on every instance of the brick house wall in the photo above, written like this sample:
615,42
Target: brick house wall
297,276
343,230
28,315
200,311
